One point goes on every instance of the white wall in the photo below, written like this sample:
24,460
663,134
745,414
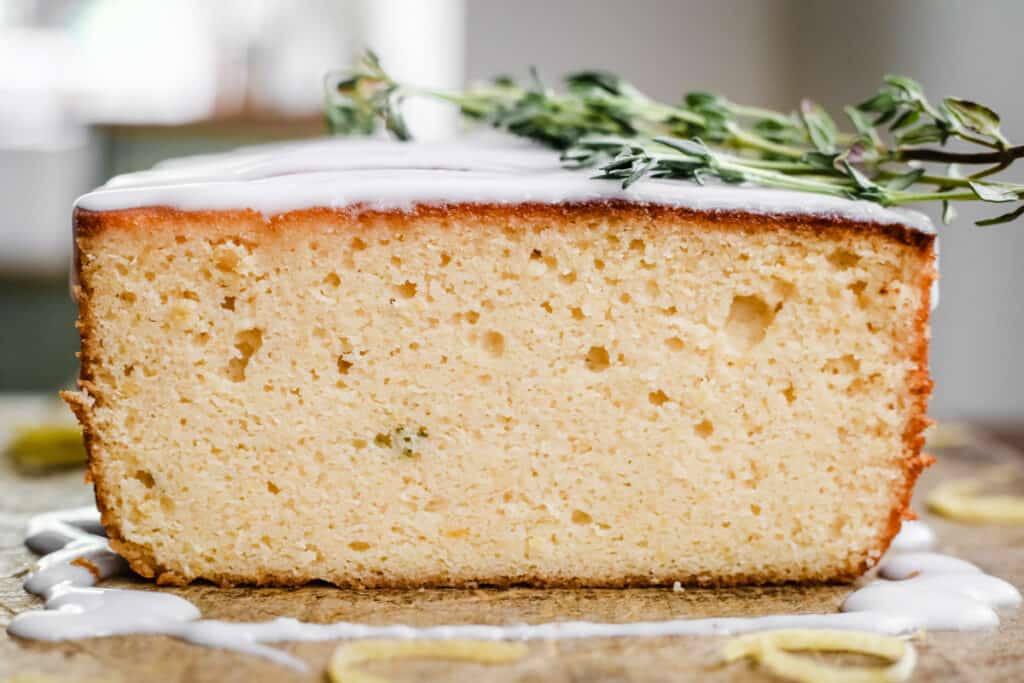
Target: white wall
774,51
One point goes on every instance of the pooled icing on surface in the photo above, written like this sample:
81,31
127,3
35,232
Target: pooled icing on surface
383,174
918,590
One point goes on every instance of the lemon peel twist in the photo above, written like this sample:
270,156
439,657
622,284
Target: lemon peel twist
772,649
346,659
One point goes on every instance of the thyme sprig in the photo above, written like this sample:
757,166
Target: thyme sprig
601,121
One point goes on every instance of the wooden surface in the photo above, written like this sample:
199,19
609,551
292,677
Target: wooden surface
991,656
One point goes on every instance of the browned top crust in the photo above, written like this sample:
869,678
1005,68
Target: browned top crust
155,217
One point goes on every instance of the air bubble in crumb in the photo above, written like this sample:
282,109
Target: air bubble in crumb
247,343
748,321
494,343
581,517
597,359
406,290
658,397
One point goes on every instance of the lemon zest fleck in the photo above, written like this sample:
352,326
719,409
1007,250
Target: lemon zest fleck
342,668
771,650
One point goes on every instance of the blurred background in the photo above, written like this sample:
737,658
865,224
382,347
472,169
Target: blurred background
93,88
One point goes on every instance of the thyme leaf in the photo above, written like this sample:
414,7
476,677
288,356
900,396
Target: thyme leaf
601,121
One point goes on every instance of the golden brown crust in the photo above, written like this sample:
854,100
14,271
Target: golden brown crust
141,560
920,383
154,218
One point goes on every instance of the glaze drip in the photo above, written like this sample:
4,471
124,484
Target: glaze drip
917,590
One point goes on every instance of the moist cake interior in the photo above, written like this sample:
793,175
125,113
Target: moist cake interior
578,395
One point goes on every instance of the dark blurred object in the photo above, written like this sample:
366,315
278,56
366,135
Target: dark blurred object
38,340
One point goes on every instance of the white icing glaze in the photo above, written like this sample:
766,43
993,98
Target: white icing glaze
913,535
920,590
382,174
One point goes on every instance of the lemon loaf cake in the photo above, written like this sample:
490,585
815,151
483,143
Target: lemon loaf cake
404,364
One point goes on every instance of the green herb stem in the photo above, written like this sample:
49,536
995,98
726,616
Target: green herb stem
603,122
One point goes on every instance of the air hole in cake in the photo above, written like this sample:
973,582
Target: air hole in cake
598,264
272,488
790,393
357,244
847,364
670,311
748,321
597,359
704,429
145,478
225,260
359,546
637,245
653,290
436,505
247,342
625,298
127,297
568,278
581,517
359,444
755,510
228,304
658,397
577,313
674,343
843,259
128,369
332,279
396,261
472,317
406,290
343,365
445,259
494,343
547,307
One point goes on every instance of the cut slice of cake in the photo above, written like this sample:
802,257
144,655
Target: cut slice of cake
387,364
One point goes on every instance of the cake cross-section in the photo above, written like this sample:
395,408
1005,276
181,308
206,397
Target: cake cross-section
400,364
